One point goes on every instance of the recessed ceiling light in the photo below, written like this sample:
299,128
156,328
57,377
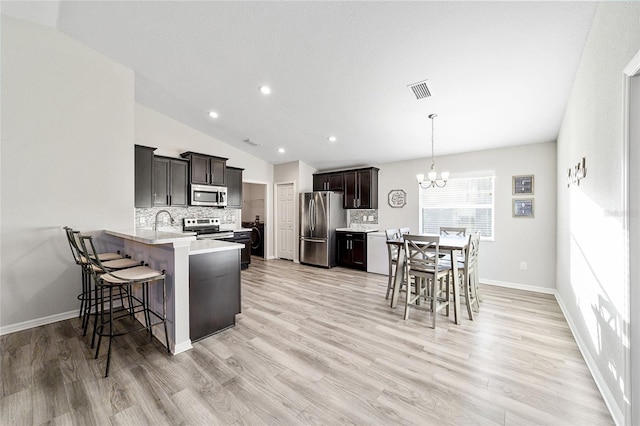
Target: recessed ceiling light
281,150
213,114
265,90
332,139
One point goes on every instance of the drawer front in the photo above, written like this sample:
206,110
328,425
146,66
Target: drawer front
242,235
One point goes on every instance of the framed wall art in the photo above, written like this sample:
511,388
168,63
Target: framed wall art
397,198
523,207
523,185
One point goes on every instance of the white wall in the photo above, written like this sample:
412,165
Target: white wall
67,159
306,177
591,242
516,239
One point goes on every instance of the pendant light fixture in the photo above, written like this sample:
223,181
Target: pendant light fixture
432,181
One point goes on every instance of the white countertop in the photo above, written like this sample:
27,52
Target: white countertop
211,246
358,229
149,236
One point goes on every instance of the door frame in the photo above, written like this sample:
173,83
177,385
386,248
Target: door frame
632,235
296,224
267,236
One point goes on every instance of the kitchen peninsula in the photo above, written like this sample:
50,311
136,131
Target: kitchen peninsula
185,259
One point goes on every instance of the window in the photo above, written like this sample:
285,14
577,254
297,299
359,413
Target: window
466,202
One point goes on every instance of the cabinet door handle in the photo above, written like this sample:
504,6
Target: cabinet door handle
154,197
169,199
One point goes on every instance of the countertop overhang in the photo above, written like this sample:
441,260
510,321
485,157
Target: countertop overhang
149,236
212,246
365,230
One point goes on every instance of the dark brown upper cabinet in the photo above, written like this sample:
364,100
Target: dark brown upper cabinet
206,169
361,189
143,164
360,186
234,188
170,177
333,181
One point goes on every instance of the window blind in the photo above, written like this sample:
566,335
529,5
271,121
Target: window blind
464,202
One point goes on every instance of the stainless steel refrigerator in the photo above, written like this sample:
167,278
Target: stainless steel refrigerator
321,213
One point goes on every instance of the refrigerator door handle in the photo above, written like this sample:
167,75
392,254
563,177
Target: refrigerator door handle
313,240
309,212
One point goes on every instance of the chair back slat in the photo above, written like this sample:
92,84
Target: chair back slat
404,231
392,250
454,230
422,252
71,239
474,247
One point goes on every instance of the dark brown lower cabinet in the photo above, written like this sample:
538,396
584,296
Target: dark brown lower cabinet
243,237
352,249
214,292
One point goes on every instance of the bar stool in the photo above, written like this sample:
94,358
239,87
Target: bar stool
115,262
125,280
83,263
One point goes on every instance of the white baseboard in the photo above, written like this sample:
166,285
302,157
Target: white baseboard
7,329
517,286
182,347
607,395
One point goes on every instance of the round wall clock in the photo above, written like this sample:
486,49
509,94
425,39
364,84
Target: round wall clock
397,198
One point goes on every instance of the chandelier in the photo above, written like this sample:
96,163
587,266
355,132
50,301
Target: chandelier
433,182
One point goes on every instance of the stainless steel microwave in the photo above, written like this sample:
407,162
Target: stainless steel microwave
208,195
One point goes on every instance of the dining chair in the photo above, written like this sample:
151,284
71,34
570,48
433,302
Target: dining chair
472,273
392,250
468,274
404,231
453,230
423,263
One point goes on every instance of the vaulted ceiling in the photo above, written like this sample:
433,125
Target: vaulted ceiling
499,73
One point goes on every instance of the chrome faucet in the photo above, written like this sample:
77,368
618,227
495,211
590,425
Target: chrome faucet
155,226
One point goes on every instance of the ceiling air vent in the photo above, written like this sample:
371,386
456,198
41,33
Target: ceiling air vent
420,90
252,143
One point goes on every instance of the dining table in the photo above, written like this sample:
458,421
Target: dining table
452,245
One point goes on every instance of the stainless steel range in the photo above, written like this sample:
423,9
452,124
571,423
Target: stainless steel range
206,228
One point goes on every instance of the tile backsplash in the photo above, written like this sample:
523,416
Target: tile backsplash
145,218
364,217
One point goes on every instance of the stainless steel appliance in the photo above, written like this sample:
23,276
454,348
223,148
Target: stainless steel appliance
321,213
206,228
208,195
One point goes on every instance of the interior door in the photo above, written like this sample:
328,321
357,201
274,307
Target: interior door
286,221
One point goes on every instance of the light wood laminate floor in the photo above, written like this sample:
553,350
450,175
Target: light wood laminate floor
315,346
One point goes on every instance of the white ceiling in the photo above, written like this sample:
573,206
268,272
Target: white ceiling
500,72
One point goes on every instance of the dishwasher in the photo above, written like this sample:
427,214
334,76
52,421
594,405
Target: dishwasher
377,254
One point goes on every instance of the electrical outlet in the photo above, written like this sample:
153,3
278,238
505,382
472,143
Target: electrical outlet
523,266
141,220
